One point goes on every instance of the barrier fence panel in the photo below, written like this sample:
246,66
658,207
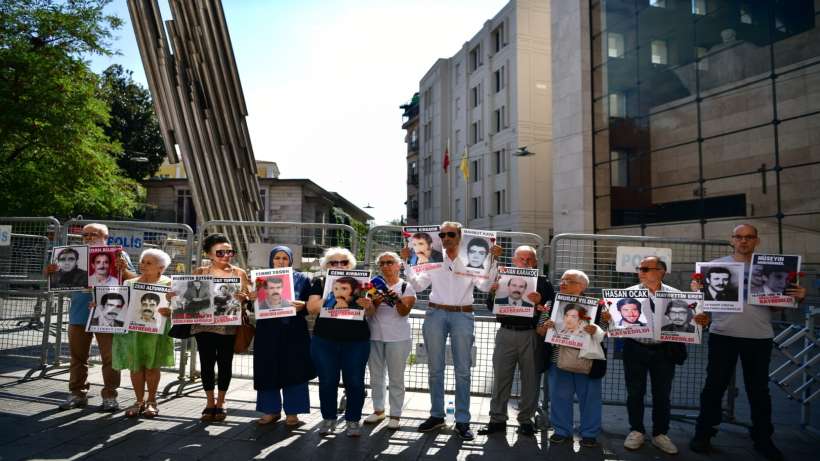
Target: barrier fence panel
25,319
798,372
596,256
23,260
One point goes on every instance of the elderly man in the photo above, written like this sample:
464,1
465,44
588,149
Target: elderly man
450,313
516,343
642,356
79,341
747,335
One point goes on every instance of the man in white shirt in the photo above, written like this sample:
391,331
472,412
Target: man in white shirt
450,313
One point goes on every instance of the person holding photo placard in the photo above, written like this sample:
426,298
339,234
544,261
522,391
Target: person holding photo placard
450,314
339,346
282,365
79,341
746,335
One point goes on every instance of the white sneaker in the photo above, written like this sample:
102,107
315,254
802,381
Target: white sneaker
393,423
634,440
110,405
664,444
327,426
353,429
374,418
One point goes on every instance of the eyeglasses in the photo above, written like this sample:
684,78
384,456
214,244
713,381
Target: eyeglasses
647,269
389,262
570,281
92,234
747,238
341,262
223,253
450,234
67,258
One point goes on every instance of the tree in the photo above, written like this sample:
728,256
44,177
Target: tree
55,158
133,123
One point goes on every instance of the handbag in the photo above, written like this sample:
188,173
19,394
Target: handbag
676,353
592,349
180,331
244,335
569,360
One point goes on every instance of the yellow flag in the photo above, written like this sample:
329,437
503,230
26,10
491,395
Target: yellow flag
464,166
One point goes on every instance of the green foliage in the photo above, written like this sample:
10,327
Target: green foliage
339,216
133,123
55,158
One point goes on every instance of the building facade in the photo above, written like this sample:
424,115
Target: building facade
483,103
684,117
410,123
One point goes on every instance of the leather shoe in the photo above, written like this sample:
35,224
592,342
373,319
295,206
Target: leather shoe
526,429
492,428
463,431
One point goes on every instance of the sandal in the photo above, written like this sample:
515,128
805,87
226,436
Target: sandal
151,410
219,413
293,421
135,410
207,414
268,419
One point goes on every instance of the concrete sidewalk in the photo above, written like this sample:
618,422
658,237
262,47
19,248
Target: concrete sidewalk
31,427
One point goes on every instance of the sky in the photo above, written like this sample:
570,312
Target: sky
324,79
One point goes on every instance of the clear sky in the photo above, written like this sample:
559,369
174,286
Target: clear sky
324,79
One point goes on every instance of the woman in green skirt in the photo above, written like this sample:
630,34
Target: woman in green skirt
143,353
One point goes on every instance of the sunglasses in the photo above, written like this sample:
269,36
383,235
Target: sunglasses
450,234
646,269
387,263
223,253
342,262
747,238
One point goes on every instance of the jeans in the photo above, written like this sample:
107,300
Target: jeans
563,386
755,355
390,357
296,400
639,360
79,343
348,357
215,350
438,324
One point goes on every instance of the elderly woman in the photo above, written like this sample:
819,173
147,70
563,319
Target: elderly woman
281,354
565,385
390,339
215,342
143,353
339,346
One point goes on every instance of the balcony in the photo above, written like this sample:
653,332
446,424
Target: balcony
412,146
413,179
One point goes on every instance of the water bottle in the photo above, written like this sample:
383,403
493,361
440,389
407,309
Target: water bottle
451,413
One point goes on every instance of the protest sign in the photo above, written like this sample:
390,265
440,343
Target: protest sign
342,289
674,316
631,313
769,277
102,267
110,310
514,286
193,303
571,314
72,264
227,309
474,252
722,286
145,301
274,293
425,247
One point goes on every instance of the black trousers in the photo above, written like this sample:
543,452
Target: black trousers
755,356
215,350
640,360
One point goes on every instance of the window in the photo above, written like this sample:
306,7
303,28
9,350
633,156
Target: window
745,16
475,170
475,132
477,208
500,161
500,201
414,135
699,7
498,38
497,121
617,105
615,45
428,130
498,79
475,58
619,168
185,207
659,54
658,3
263,212
475,96
427,199
703,64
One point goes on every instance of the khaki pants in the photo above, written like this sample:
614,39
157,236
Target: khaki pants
513,347
79,342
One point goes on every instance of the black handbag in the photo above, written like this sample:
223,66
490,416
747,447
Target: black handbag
180,331
676,352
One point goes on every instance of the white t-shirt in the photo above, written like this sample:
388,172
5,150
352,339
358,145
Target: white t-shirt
387,325
754,322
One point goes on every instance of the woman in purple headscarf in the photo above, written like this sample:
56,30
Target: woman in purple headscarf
281,354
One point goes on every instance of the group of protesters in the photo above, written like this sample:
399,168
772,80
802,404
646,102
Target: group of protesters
287,355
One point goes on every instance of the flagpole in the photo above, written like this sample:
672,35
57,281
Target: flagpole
449,186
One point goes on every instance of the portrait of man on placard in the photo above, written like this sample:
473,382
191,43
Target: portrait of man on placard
71,268
273,289
719,285
630,310
680,317
477,251
197,296
422,250
110,311
516,289
148,308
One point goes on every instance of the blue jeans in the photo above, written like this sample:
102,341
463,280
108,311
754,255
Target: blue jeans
296,399
329,358
459,325
563,387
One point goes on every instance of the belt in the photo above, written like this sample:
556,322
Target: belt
517,327
648,345
448,308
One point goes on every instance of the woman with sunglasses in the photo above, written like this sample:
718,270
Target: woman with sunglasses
390,339
215,342
281,354
339,346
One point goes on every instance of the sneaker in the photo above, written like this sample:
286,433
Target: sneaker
375,418
664,444
589,442
463,431
543,423
431,423
353,429
74,401
768,450
393,423
110,405
327,426
526,429
557,439
492,428
700,443
634,440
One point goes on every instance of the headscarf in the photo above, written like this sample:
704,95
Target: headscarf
283,249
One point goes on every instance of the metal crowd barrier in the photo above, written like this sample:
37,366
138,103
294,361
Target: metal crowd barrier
23,261
799,374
